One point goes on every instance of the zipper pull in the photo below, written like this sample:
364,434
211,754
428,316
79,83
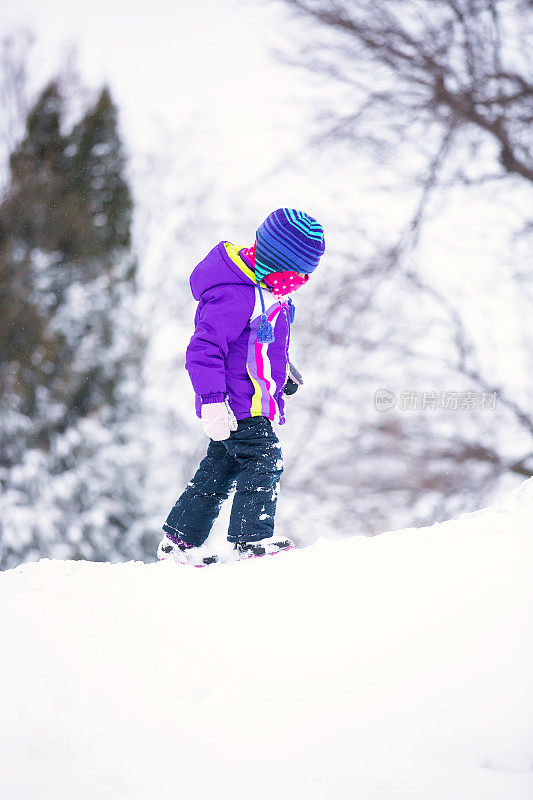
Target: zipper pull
292,310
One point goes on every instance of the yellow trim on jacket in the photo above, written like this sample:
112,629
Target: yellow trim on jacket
233,253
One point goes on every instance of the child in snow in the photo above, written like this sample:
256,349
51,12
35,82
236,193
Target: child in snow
238,363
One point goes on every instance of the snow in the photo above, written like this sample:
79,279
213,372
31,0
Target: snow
397,666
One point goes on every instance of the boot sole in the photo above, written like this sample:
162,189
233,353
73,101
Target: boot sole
230,561
273,553
185,564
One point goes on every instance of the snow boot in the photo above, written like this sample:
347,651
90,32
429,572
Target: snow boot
264,547
174,549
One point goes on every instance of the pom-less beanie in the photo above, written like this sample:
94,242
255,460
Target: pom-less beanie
288,240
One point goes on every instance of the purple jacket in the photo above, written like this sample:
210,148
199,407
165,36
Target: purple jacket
224,359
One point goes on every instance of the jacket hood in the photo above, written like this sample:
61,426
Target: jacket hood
218,269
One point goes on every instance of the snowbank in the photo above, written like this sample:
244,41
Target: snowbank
394,667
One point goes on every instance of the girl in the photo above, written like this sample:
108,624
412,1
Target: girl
238,363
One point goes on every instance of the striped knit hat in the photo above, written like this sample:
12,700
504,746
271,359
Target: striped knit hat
288,241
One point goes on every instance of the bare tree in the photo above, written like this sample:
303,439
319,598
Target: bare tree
441,88
456,65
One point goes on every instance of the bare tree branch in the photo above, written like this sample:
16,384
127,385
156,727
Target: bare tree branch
451,51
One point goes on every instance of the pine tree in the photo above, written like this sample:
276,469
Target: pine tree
70,465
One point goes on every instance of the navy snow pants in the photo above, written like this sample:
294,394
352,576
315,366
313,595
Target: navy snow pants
250,460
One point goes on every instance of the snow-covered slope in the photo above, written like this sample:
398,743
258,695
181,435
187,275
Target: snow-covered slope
393,667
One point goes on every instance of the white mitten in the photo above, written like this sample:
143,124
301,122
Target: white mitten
218,420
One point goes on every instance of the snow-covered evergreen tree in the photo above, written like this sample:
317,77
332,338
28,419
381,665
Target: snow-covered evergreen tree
71,473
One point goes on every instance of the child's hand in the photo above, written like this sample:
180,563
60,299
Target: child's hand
218,420
294,380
